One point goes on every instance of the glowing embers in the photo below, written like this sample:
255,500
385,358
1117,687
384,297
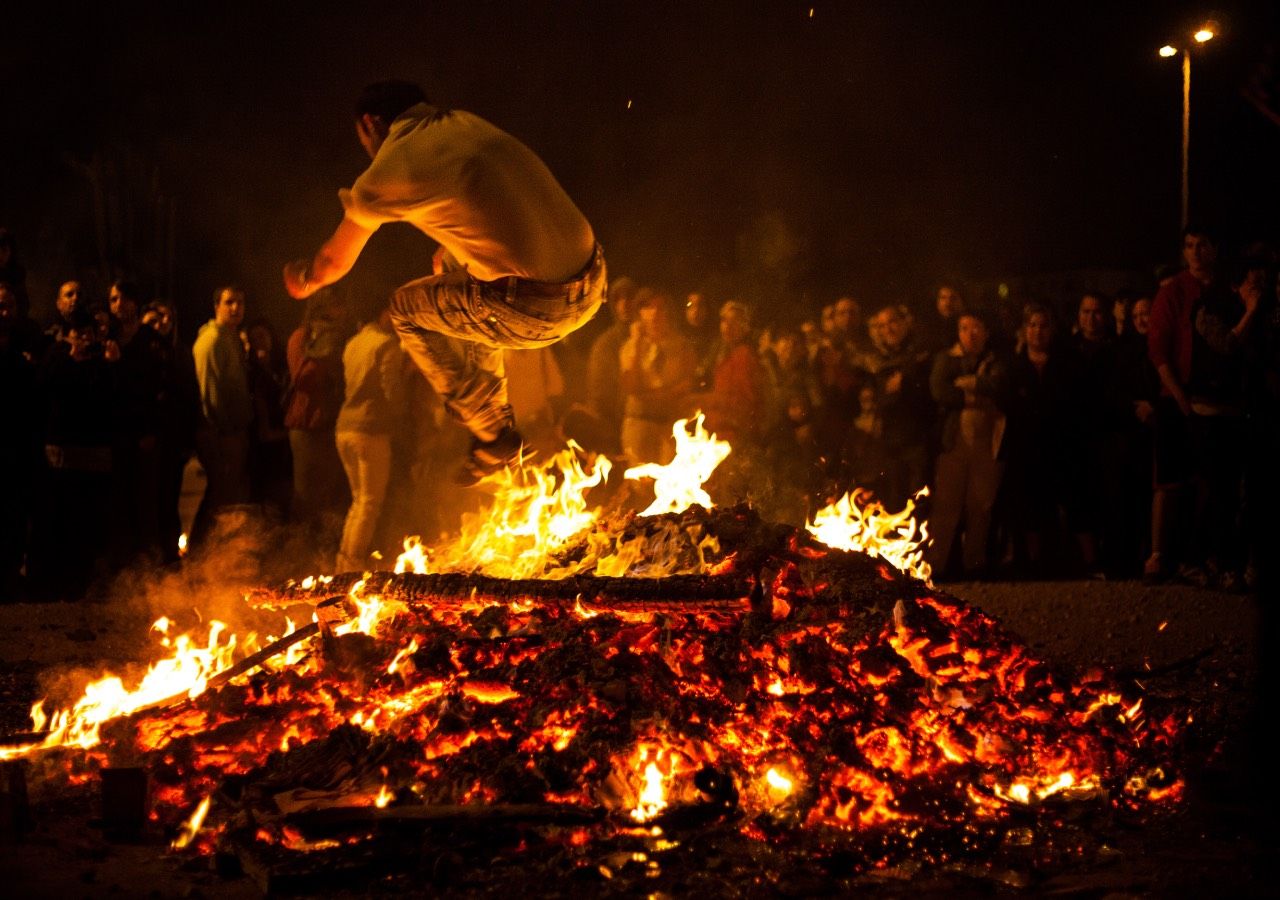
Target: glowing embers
678,484
801,712
858,522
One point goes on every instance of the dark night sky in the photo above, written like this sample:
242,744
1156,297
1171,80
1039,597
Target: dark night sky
872,146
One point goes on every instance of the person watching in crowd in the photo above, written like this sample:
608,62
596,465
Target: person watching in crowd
657,364
65,305
372,409
226,408
969,385
1170,338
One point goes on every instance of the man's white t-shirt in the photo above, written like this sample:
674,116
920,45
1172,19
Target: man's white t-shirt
479,192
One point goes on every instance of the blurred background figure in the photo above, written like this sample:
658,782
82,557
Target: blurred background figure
226,406
657,364
145,372
179,419
699,324
898,372
311,412
64,307
374,372
737,404
600,425
937,329
19,446
969,384
76,386
270,460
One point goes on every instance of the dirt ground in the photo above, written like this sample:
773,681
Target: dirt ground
1204,650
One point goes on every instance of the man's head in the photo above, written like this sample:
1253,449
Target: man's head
68,298
1091,317
82,335
828,319
1037,326
972,332
696,310
789,348
1199,251
948,302
123,301
812,334
622,298
380,104
1140,315
159,316
228,306
735,322
261,339
654,313
847,316
889,328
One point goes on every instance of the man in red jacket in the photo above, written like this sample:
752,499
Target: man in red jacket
1169,340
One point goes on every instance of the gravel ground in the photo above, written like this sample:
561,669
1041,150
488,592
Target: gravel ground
1198,647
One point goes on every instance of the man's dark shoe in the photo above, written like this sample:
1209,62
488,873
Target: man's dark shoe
488,457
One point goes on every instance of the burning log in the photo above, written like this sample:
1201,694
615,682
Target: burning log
457,592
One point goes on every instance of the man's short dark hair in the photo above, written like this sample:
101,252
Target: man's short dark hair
388,99
217,294
128,289
1201,229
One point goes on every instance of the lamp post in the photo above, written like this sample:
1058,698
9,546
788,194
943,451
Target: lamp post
1203,35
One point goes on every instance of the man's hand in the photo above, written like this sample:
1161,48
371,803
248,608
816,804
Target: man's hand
1144,411
297,281
967,382
111,351
893,383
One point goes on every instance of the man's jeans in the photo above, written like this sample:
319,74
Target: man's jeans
367,459
456,328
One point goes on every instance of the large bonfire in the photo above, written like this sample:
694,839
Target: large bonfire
573,679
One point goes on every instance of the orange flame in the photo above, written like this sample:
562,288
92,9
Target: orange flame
536,511
858,522
185,671
678,484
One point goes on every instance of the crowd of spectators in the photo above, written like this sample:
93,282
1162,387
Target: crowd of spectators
1125,436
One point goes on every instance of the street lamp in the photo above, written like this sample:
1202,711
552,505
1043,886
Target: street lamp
1201,36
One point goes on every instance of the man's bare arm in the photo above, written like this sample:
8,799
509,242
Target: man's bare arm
303,277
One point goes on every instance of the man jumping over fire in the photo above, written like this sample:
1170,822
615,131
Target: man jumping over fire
520,264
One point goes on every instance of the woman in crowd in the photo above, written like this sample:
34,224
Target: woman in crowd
1036,446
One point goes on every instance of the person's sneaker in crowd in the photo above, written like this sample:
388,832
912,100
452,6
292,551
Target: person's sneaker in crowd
1154,571
489,457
